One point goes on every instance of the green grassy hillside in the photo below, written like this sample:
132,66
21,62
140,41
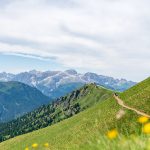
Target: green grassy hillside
139,96
87,130
56,111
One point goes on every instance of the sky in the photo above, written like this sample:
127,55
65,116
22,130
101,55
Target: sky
108,37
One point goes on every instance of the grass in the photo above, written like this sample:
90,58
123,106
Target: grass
95,94
71,104
87,130
139,96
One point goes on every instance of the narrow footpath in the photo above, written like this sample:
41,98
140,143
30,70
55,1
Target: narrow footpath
121,103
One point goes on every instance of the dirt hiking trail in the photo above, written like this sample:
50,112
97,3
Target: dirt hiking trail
121,103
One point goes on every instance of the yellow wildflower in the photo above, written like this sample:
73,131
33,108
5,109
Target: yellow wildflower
112,134
146,128
35,145
26,148
143,119
46,145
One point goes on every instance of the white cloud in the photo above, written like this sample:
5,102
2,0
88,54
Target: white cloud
105,36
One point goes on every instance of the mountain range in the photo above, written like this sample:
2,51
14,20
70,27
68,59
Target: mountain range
59,83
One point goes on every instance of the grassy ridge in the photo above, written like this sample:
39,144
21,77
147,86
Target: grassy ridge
139,96
55,112
87,130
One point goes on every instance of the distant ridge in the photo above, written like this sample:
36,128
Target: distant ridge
59,83
18,98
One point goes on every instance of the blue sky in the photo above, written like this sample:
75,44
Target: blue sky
109,37
15,64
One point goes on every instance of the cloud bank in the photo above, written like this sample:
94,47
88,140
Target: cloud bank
105,36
